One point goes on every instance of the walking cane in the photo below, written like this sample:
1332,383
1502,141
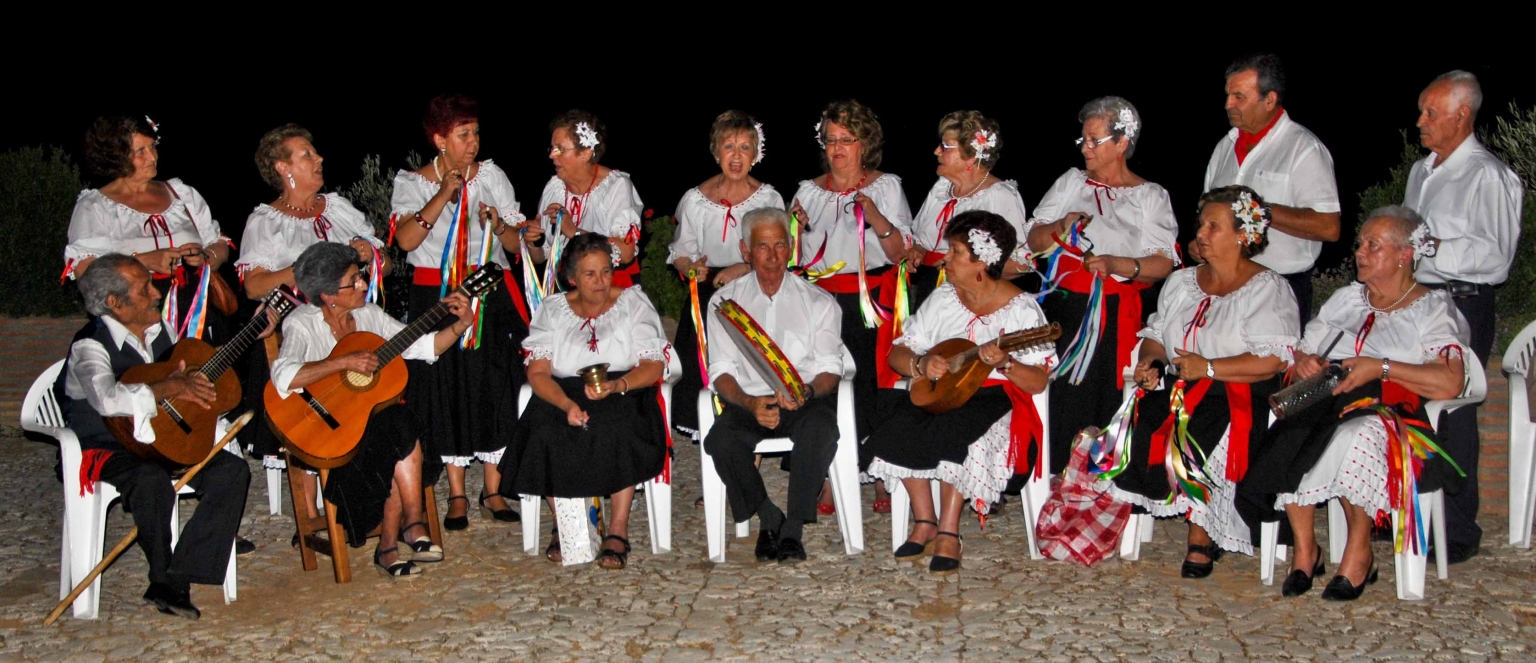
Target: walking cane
134,533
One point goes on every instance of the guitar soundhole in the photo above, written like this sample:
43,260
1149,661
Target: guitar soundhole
358,380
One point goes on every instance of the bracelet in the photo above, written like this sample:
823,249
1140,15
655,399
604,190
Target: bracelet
1385,364
1138,269
888,233
421,222
625,390
914,367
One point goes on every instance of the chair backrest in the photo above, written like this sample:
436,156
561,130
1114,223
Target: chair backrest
1522,351
40,411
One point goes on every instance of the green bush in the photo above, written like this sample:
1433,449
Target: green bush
38,188
657,277
1513,139
370,194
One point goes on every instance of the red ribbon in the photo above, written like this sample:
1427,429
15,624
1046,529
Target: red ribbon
323,227
1192,330
393,219
943,220
591,327
1240,412
933,258
666,468
91,462
154,225
729,219
1128,314
1365,331
1101,187
69,265
1024,428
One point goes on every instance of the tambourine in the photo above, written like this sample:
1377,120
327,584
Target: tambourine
760,350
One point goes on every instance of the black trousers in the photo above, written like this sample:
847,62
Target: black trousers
202,550
734,437
1301,286
1458,430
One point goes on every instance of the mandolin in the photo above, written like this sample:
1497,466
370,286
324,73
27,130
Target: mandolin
184,431
966,371
322,423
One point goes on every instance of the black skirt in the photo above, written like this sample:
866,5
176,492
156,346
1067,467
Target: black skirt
623,445
360,488
861,342
911,438
1094,402
468,398
685,412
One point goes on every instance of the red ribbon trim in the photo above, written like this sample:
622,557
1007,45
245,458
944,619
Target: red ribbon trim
1023,429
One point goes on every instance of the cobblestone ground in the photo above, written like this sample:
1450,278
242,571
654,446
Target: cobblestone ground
490,601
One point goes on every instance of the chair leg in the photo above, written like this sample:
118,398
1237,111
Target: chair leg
531,511
846,494
1269,538
86,557
1442,544
658,515
341,563
901,512
1033,498
231,582
714,507
1338,531
429,509
1409,570
274,491
299,496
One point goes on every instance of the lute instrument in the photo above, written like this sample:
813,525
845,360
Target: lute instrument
322,424
184,431
966,372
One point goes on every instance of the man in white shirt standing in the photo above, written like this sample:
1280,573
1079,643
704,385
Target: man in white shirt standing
1284,163
806,323
1471,202
125,331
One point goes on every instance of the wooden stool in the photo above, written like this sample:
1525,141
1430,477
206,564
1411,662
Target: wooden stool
334,541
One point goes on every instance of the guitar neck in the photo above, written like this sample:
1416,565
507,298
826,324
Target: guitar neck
225,357
418,328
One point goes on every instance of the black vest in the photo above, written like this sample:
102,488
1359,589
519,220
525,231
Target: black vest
83,419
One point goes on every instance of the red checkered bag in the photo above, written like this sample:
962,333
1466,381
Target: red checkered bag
1079,523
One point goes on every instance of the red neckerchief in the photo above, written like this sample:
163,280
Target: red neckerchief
1247,141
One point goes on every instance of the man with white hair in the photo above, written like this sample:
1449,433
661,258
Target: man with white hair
1286,164
806,323
1471,203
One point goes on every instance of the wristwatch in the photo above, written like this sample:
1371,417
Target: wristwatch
1210,369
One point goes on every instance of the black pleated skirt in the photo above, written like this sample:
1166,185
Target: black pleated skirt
1095,400
623,445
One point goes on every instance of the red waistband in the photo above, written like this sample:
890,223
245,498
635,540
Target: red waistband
1128,313
847,284
428,276
1023,428
932,258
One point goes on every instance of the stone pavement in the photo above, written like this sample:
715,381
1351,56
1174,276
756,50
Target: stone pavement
490,601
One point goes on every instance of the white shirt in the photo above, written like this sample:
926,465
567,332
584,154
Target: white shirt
1133,221
626,334
307,337
943,317
1260,317
1002,199
1289,167
273,239
702,229
91,378
1471,201
802,319
611,209
1415,334
489,185
101,225
831,220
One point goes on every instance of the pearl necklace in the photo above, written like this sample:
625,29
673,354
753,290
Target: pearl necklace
439,174
1389,306
973,190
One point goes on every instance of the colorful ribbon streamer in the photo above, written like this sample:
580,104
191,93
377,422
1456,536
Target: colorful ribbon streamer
535,292
1110,453
1408,447
1184,460
794,242
903,308
376,274
552,261
197,315
874,314
698,325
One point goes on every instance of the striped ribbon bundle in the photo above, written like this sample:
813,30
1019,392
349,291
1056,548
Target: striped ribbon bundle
456,266
874,314
1408,447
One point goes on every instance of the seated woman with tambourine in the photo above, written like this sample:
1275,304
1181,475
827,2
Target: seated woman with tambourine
382,484
976,448
1402,343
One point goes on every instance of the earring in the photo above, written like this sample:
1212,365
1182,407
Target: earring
442,150
967,169
978,277
292,184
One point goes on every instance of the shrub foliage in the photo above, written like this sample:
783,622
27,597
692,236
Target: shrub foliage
38,188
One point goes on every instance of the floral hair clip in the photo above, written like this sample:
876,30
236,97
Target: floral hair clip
154,126
586,136
1253,218
1421,241
613,252
760,140
819,139
1127,123
983,144
983,247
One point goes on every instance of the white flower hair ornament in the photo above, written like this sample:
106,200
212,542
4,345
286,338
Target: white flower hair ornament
586,136
983,247
154,126
1127,123
983,144
1423,244
760,140
1252,217
819,139
613,252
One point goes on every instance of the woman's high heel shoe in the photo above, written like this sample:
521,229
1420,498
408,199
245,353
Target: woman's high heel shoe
400,569
459,523
914,550
1341,589
505,515
1197,570
1299,582
943,566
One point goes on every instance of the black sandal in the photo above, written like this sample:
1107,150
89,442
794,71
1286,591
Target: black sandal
614,560
505,515
400,569
943,566
1197,570
422,549
915,550
460,523
552,553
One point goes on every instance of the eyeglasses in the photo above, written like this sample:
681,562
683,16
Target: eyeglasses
949,146
1094,142
556,150
848,141
359,281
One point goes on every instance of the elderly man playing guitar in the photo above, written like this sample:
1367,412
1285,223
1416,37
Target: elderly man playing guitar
805,322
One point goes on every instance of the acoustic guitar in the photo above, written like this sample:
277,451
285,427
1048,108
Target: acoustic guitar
966,371
184,431
322,423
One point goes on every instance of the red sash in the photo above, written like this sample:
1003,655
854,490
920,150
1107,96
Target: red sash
846,284
429,276
933,258
1129,293
1024,428
1240,410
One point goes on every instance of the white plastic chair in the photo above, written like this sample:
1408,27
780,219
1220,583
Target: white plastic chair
843,474
658,494
1032,497
85,516
1519,361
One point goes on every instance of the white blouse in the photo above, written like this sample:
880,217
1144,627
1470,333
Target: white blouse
489,185
802,319
1260,317
273,239
702,229
830,222
1416,333
1134,221
307,337
1471,201
943,317
626,334
612,209
1002,199
101,225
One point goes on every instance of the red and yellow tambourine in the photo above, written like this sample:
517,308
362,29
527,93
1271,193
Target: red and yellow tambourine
760,350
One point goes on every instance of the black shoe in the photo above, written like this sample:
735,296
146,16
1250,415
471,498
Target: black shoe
913,549
460,523
767,545
1197,570
1461,553
943,566
1341,589
172,601
503,515
614,560
790,550
243,546
1299,582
